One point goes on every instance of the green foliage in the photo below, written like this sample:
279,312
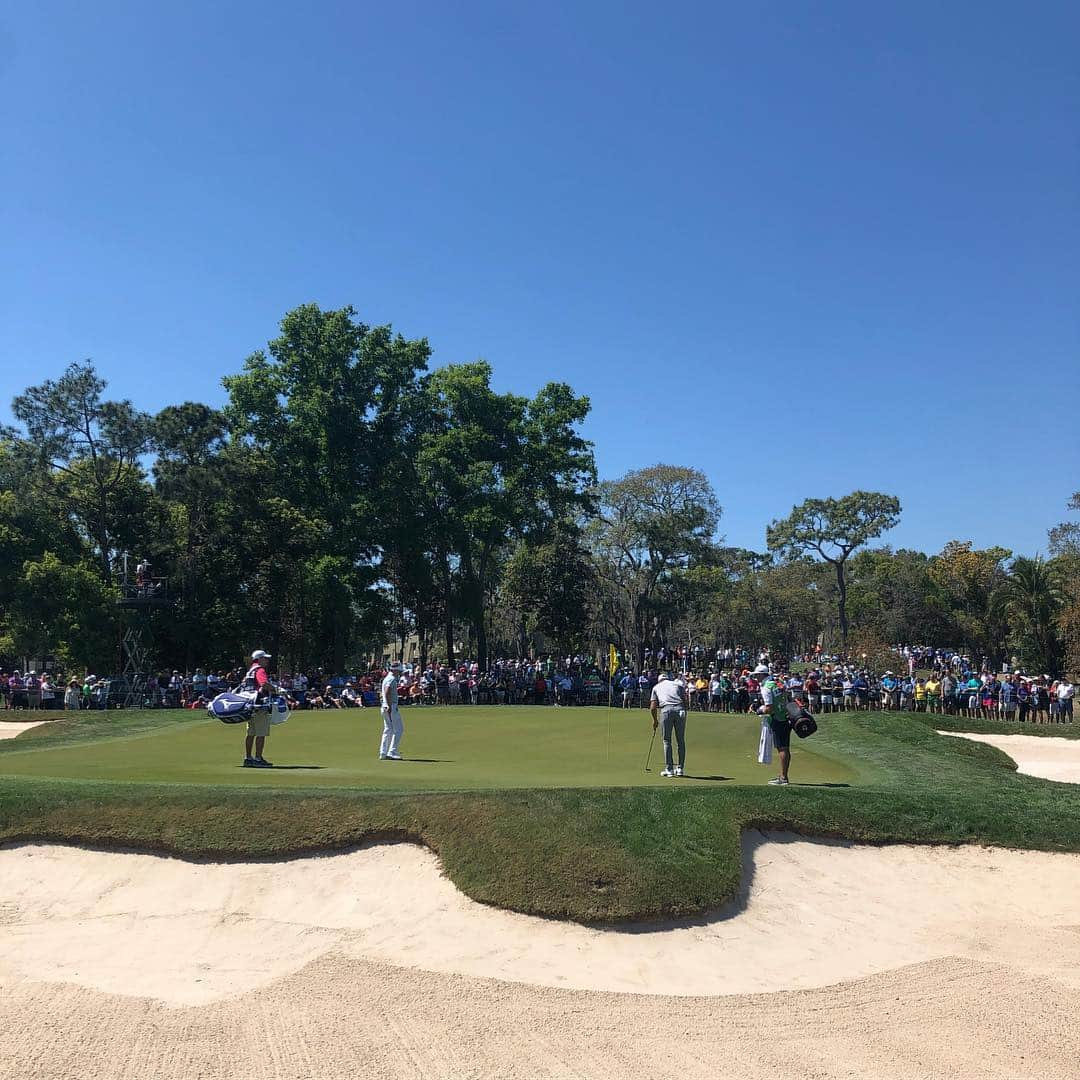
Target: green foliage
652,525
833,529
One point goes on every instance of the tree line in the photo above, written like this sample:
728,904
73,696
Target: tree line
347,495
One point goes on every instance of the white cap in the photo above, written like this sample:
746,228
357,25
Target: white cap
396,665
258,654
761,669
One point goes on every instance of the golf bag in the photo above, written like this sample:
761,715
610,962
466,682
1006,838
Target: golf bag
238,707
802,723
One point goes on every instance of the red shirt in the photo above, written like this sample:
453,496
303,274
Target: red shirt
261,678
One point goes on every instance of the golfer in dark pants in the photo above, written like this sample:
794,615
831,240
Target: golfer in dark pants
669,701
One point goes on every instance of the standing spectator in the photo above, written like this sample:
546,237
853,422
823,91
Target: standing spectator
72,696
1023,699
48,693
33,690
890,692
1065,692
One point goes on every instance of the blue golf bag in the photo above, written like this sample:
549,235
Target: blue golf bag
237,707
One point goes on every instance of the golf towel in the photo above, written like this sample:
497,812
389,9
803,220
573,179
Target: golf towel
765,744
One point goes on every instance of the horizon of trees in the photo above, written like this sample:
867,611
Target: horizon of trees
347,496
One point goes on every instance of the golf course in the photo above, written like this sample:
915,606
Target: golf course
539,810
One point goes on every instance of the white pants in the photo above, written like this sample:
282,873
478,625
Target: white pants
392,730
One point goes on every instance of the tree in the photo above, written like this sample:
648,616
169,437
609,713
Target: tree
652,523
551,583
191,474
834,528
1065,546
968,578
95,444
324,404
892,595
1031,598
491,469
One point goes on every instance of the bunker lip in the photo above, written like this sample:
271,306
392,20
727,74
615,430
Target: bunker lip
813,914
11,730
1044,756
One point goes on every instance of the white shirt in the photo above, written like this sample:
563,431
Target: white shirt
1065,690
667,694
388,691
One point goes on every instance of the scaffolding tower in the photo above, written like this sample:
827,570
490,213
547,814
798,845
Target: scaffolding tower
138,598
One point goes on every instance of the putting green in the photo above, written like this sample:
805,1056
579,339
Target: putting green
445,749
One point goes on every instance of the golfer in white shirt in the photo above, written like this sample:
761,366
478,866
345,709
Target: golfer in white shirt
669,700
393,728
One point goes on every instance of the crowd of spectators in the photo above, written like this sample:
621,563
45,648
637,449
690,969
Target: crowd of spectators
925,679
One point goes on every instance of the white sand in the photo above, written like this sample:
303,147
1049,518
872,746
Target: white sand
1049,758
10,730
816,913
371,964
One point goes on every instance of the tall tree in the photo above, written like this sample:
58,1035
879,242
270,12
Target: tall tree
968,578
94,443
1031,598
490,469
652,523
1065,547
833,529
191,474
323,404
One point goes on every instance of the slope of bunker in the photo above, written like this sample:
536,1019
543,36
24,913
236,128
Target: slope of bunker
11,730
814,913
1035,755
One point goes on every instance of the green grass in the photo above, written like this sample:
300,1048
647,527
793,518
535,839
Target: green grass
545,811
447,749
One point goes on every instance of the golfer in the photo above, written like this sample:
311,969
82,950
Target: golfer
669,701
393,728
773,706
258,726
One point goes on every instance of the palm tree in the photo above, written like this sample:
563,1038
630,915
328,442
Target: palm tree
1030,598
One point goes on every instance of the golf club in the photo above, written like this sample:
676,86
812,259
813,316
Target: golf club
648,757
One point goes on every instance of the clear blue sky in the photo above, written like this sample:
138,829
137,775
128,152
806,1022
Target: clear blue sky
806,247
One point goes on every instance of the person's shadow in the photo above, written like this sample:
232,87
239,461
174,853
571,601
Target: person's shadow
689,776
286,768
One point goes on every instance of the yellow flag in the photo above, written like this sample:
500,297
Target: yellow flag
613,660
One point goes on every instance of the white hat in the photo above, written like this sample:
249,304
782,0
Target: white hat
396,665
761,669
258,654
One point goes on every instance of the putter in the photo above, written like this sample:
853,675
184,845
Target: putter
648,757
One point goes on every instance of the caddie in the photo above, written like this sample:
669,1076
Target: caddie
668,707
258,726
773,706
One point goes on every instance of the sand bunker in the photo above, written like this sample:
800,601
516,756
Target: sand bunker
815,913
9,730
1049,758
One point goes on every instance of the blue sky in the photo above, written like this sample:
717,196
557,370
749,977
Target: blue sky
806,247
